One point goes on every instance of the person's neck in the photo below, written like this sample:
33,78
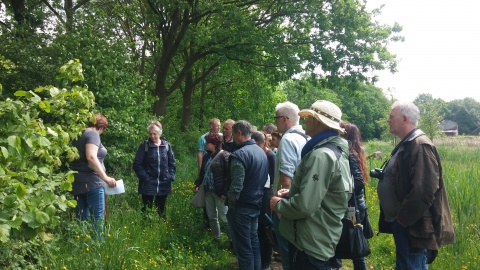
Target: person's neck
406,132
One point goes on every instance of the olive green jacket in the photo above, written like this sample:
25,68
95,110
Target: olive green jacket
311,215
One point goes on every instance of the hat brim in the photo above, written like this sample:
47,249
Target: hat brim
328,122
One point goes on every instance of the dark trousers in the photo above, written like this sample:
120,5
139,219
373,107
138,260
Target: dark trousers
160,201
299,260
266,249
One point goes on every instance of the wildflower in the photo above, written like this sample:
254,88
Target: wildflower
87,249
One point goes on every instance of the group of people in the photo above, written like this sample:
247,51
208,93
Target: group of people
293,193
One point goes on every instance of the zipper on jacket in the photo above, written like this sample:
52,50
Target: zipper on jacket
158,170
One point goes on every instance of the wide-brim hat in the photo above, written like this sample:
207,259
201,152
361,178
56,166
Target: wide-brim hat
325,112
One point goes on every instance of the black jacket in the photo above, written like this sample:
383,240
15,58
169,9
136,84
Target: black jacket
155,167
220,168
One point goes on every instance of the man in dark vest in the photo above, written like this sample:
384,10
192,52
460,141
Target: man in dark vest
248,175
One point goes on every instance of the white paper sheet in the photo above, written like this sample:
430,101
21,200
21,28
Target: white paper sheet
120,188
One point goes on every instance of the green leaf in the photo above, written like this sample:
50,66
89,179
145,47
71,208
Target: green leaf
65,185
12,141
42,217
28,217
50,210
44,170
44,141
10,200
21,191
4,233
20,93
15,222
44,105
4,152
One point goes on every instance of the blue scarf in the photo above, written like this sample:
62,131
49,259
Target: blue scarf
316,139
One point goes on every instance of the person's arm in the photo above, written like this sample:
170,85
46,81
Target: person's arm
309,191
359,185
91,151
289,159
425,182
199,160
200,151
172,165
284,181
237,173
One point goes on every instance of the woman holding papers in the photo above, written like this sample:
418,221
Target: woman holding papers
155,167
88,186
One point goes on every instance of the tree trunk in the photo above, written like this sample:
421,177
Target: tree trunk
68,6
202,102
187,102
160,105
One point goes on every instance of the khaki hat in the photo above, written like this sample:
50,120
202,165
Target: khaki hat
325,112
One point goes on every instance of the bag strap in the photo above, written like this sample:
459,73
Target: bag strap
206,169
300,133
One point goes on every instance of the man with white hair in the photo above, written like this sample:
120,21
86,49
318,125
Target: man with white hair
413,200
287,159
312,209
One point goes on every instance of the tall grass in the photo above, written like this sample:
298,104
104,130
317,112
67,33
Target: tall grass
133,241
182,242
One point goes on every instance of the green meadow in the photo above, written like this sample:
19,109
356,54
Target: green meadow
181,242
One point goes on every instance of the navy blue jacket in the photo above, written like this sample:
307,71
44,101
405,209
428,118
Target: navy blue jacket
255,162
155,167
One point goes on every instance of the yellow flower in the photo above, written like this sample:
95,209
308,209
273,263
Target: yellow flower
87,249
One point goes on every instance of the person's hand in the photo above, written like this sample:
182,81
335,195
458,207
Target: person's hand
273,202
111,182
196,189
282,193
223,197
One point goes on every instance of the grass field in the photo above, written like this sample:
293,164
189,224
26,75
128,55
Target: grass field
132,242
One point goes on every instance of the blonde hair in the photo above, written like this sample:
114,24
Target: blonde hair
156,127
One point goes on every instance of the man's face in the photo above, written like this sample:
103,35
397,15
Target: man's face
280,122
215,127
227,130
395,121
236,137
310,126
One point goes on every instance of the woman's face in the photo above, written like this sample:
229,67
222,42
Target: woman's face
155,137
275,142
210,147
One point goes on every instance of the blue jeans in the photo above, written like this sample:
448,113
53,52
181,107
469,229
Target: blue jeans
282,243
302,261
243,231
92,202
407,258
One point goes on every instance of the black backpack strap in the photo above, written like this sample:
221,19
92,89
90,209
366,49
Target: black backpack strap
300,133
335,148
145,144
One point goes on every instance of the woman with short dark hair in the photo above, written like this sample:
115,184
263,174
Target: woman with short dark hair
214,174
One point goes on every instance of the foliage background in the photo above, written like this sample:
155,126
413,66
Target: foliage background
181,62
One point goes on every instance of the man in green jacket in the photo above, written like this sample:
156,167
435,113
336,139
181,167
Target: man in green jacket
312,210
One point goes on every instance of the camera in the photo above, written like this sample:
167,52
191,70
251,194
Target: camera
377,173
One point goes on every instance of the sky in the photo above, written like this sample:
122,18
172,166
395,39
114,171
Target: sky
441,52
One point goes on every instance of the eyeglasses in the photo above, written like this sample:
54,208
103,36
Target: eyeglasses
276,117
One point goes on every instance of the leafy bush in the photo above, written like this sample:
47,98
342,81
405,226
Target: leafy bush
37,127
